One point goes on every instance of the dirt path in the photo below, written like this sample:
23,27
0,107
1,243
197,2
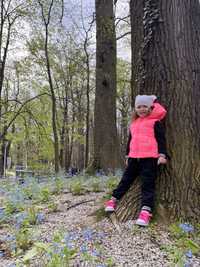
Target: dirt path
101,243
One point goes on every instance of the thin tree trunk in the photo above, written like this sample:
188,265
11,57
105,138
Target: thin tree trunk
87,132
87,110
64,132
53,98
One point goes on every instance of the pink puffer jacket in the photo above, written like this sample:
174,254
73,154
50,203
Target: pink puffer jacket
143,143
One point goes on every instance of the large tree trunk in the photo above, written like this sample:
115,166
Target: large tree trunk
106,147
137,36
171,69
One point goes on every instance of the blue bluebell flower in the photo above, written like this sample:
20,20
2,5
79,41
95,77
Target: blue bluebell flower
186,227
188,254
2,253
98,174
118,172
101,235
20,217
70,245
68,237
88,234
2,190
95,253
83,249
56,248
10,238
187,264
17,196
2,213
40,217
13,246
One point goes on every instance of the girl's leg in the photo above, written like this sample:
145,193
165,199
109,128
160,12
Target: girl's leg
148,173
130,173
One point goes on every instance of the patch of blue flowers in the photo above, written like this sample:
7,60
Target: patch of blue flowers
190,244
11,241
90,247
22,217
186,227
85,244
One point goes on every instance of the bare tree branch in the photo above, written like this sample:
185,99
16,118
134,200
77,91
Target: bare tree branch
79,203
62,10
123,35
118,20
17,113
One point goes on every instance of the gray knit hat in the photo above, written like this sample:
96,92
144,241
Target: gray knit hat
146,100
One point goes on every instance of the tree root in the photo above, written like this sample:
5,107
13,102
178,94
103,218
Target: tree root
115,222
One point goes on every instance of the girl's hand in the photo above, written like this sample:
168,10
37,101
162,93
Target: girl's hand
162,160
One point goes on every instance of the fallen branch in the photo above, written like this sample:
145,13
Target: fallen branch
79,203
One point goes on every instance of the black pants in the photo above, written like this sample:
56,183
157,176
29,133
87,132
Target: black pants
146,168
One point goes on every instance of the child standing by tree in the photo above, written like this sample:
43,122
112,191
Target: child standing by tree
146,149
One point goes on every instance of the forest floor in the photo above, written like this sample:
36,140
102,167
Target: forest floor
63,224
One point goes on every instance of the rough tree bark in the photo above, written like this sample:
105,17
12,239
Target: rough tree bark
137,36
170,68
106,146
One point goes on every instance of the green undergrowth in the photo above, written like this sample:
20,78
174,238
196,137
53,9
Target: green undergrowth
100,214
185,244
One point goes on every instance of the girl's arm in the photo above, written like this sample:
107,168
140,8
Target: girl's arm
159,131
128,144
158,112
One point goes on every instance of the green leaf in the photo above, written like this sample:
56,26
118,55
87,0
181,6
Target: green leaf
30,254
192,245
42,246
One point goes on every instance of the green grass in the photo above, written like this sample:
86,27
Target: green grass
77,188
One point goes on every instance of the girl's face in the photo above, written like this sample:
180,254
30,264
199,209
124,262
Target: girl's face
142,110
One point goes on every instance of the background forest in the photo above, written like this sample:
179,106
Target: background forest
48,84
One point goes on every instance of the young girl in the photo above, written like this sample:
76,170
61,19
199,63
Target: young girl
146,149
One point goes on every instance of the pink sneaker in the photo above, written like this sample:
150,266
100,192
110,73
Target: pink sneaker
144,218
110,205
